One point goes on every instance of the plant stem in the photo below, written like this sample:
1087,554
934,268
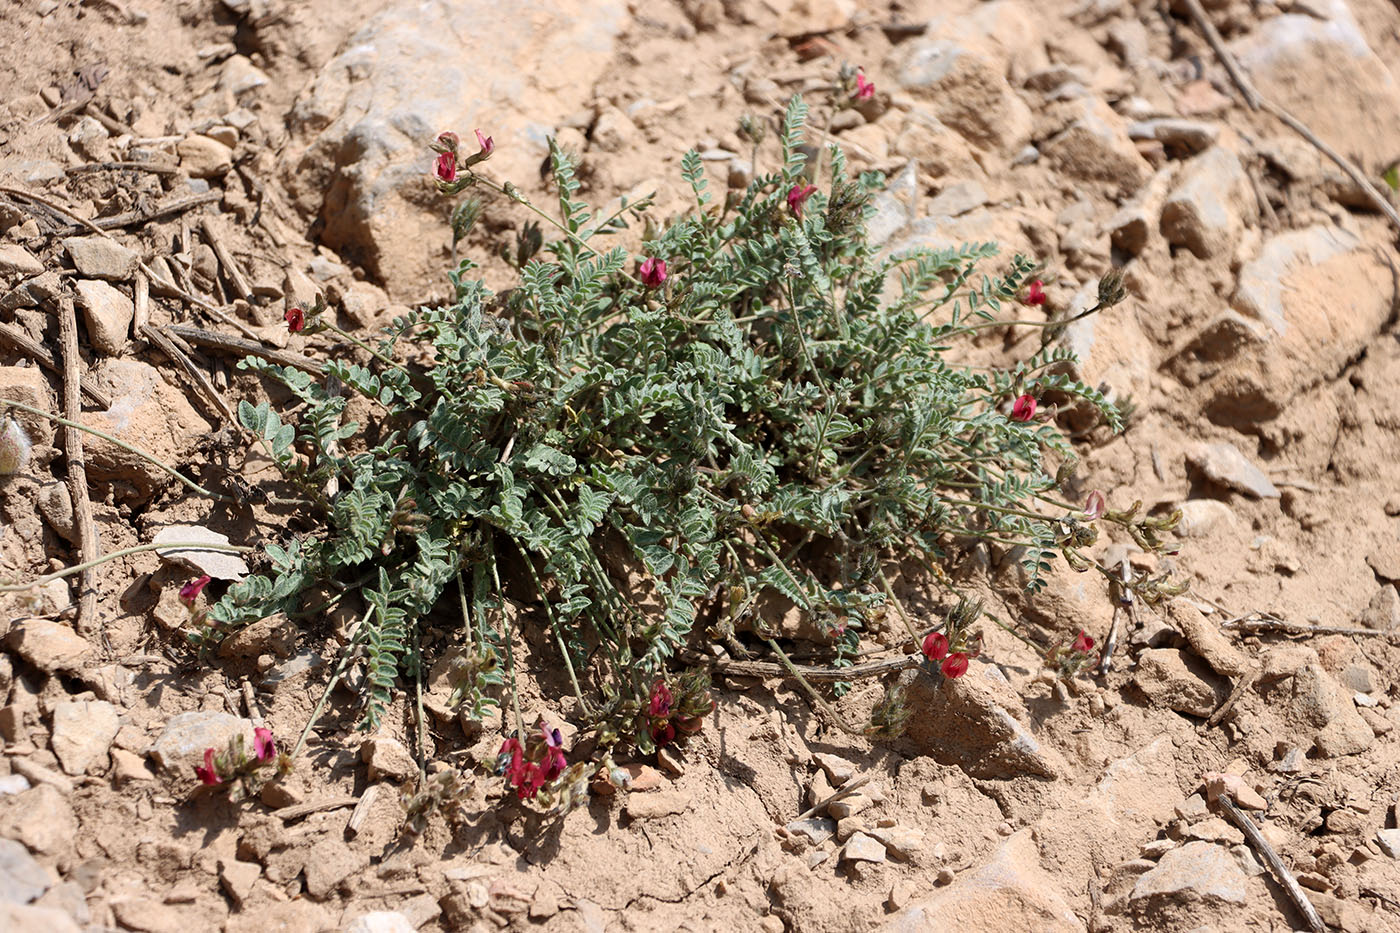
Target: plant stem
124,552
335,679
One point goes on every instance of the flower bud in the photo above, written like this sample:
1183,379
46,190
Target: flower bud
1111,290
14,447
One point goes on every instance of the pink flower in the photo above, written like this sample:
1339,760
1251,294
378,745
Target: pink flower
661,699
207,774
1035,295
447,142
296,320
1023,409
446,167
935,646
955,665
653,272
487,144
1094,506
798,196
263,746
1083,643
864,89
191,590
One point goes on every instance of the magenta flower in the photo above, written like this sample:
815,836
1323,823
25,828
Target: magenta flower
1094,506
446,167
653,272
798,196
263,746
191,590
554,760
1035,295
935,646
661,699
663,733
487,144
296,320
207,774
955,665
1083,643
864,89
1023,409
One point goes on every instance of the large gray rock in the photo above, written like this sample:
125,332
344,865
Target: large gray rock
1212,202
49,646
100,258
515,69
182,743
967,90
108,313
22,879
1197,871
1223,463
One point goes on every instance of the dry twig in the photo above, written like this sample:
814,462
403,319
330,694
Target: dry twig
847,789
18,339
299,810
1271,858
77,468
236,346
235,275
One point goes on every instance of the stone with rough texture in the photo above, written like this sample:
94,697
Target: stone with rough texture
107,313
1190,136
202,157
957,198
82,732
185,737
1199,517
100,258
967,90
1212,202
27,384
49,646
1010,892
22,879
40,818
380,921
1206,640
238,879
1262,281
328,863
16,260
1197,871
1389,841
863,848
1095,147
1177,681
147,411
1383,612
516,69
387,759
1224,464
21,918
1321,703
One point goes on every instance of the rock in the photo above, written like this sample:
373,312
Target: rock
1095,147
1206,640
1214,829
181,744
1200,516
27,384
82,732
848,806
966,90
1010,892
56,506
816,829
273,635
380,921
100,258
838,770
1134,794
1234,787
328,863
409,73
1210,205
240,75
202,157
1384,559
806,17
129,766
657,804
1349,96
1177,681
1223,464
49,646
1383,612
893,206
957,198
147,412
21,878
1389,841
1321,703
38,774
1179,136
977,723
1133,225
1197,871
902,842
19,918
238,879
362,301
862,848
107,313
40,818
613,132
90,138
146,915
387,759
1261,288
16,260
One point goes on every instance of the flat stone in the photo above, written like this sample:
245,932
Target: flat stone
657,804
1197,871
903,842
328,863
1206,640
957,198
1222,463
238,879
49,646
1383,612
1319,703
1189,136
1384,558
83,730
240,74
40,818
1210,205
863,848
100,258
274,635
202,157
108,313
817,829
387,759
23,918
1260,288
848,806
129,766
22,879
1178,681
182,743
1389,841
1199,517
1214,829
16,260
381,921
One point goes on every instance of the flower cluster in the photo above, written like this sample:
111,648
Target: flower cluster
236,768
680,711
447,168
530,766
1078,657
958,646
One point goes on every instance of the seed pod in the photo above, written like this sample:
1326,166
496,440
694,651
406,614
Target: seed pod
14,448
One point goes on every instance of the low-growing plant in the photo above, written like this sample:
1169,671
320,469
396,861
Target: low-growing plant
646,449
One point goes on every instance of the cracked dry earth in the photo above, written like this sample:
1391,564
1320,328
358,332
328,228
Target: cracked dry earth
1257,349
